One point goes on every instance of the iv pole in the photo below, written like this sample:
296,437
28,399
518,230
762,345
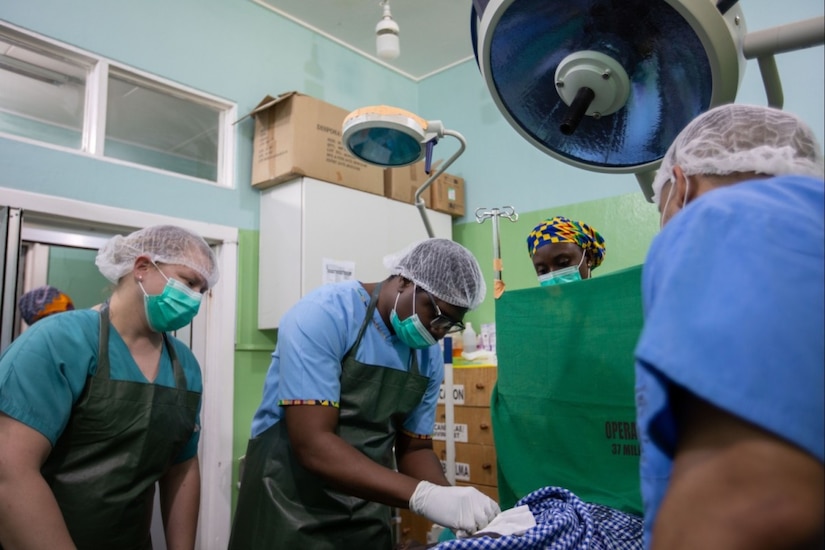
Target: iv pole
494,214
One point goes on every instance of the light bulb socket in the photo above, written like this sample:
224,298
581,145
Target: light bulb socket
387,43
387,46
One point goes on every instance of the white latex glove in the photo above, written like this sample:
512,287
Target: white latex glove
459,508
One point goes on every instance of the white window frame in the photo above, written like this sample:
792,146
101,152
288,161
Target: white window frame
94,113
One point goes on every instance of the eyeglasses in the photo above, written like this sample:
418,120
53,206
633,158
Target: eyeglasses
441,321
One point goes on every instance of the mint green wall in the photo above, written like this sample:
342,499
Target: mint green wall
236,50
241,51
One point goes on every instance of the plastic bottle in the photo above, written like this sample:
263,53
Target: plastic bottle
458,345
469,338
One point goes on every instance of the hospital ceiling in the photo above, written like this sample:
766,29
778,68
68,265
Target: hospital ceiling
434,34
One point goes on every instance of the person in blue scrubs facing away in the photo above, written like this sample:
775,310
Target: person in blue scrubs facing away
730,362
564,251
344,430
97,405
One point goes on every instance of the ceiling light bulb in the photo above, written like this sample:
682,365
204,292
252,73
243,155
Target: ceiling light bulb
387,44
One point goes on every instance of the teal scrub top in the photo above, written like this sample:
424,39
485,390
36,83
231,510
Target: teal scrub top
44,371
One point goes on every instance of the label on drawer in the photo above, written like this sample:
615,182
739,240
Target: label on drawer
458,394
459,432
462,470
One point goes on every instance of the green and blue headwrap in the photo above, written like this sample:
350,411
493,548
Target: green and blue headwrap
562,230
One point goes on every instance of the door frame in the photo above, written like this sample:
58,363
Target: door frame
218,372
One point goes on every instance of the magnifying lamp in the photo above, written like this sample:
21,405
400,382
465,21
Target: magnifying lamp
391,137
607,85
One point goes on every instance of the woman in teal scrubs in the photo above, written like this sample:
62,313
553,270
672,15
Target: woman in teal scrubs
98,405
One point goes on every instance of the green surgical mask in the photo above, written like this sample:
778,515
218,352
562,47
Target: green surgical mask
173,308
560,276
411,330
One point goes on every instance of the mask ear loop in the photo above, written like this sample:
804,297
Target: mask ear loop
667,201
670,194
584,255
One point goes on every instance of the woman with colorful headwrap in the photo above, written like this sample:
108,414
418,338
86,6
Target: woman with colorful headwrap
558,247
41,302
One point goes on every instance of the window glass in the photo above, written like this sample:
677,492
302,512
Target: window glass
43,91
154,125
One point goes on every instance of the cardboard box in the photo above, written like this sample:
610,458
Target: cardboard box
298,135
448,195
401,183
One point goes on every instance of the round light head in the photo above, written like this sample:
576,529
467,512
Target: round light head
385,136
648,68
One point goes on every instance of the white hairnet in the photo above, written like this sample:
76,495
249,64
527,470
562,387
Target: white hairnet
443,268
168,244
742,138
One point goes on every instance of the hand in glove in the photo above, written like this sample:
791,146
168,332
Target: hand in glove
459,508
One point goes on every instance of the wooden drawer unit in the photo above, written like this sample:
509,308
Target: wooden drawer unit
473,424
477,383
475,464
413,527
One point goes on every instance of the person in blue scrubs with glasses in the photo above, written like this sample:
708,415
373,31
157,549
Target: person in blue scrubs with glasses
344,430
97,405
731,360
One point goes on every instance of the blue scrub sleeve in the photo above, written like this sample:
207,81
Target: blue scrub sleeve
44,370
312,339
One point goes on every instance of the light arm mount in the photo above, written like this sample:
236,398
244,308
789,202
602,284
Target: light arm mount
763,45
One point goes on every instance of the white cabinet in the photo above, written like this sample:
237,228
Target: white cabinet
305,222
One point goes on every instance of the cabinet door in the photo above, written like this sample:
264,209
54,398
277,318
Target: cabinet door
307,221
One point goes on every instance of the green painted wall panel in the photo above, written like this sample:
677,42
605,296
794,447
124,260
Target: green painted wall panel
253,350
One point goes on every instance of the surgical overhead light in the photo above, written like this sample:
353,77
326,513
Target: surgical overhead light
606,85
387,43
391,137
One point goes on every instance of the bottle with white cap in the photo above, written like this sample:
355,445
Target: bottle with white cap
469,338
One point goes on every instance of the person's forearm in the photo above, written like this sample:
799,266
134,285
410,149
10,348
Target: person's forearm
29,515
734,485
180,502
354,473
422,464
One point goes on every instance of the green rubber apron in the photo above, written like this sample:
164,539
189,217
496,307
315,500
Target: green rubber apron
121,438
283,506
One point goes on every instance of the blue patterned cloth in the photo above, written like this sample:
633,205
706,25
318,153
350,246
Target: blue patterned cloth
563,522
